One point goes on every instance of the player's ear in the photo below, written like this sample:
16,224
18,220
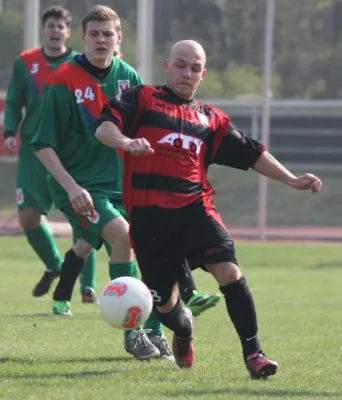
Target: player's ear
120,37
204,73
166,65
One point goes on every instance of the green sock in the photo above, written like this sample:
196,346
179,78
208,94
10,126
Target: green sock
43,243
88,274
154,324
123,269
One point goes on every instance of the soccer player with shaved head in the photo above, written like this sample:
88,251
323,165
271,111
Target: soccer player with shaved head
170,140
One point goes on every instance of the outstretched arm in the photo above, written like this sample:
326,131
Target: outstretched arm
237,150
270,167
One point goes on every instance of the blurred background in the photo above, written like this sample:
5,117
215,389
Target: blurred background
273,65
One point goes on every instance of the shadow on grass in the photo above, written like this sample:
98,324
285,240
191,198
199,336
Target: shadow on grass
74,360
271,393
66,375
33,315
329,264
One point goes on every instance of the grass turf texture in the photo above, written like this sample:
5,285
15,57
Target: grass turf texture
297,290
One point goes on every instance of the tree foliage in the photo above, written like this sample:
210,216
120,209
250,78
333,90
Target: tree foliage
307,42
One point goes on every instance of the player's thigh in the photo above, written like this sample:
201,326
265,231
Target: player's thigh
117,229
160,258
207,241
118,205
160,275
31,184
89,225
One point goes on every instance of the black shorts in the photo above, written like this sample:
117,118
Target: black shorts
163,239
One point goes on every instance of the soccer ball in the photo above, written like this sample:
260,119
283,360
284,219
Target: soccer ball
126,303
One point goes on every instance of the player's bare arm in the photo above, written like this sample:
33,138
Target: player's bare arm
79,197
240,151
270,167
110,135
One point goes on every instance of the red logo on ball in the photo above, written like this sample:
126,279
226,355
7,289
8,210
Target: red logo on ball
133,317
116,290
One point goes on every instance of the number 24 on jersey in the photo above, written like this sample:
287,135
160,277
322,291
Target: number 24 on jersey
81,95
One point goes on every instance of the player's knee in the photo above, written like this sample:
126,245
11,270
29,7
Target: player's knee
116,235
225,272
30,218
164,297
165,304
82,249
121,243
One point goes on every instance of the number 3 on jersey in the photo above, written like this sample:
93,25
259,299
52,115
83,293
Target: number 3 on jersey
88,94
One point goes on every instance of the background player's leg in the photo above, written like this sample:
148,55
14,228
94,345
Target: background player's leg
42,242
122,263
88,277
197,301
153,327
74,260
34,200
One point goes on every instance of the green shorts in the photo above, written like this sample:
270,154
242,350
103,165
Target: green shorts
89,226
31,186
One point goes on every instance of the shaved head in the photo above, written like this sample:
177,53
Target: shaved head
185,68
188,46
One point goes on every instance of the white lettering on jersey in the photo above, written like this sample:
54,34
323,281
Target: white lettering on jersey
186,142
35,68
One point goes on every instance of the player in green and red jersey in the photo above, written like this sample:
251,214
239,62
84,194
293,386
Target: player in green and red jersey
31,71
85,177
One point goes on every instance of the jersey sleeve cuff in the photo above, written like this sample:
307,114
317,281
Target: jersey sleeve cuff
8,134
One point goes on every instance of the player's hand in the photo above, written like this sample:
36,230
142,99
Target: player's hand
80,199
10,145
306,182
138,147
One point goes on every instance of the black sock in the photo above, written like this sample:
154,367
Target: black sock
241,309
187,284
176,321
71,268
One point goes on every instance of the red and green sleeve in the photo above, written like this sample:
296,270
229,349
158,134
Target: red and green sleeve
54,115
15,99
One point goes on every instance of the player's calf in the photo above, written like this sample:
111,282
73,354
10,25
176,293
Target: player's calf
71,268
179,320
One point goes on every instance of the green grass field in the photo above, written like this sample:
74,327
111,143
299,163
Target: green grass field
298,293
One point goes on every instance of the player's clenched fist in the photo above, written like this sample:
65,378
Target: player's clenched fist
307,182
138,147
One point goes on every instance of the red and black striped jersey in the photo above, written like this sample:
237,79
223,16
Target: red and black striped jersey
186,136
